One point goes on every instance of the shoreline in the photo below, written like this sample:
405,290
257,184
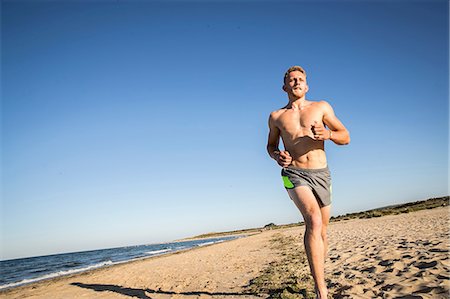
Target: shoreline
126,262
215,237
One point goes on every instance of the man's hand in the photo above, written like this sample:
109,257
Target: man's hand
283,158
319,131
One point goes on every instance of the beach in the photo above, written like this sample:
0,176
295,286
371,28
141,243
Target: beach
394,256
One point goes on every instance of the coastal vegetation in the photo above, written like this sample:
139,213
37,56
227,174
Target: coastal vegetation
378,212
287,277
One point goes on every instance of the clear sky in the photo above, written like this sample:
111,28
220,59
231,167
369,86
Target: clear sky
138,122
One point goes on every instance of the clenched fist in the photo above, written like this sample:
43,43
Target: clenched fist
319,131
283,158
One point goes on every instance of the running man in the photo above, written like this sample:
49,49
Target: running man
304,126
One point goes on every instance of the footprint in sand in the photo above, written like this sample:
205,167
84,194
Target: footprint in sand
389,287
401,272
331,284
420,273
343,289
369,269
362,281
379,282
445,277
402,246
424,289
425,243
435,290
334,258
425,265
349,275
386,263
439,250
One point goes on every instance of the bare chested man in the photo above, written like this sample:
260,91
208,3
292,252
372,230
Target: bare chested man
301,126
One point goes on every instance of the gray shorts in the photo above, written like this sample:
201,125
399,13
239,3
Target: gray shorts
318,180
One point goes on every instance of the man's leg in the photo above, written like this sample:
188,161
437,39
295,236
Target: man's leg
325,221
306,202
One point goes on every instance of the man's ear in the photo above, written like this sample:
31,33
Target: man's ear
284,88
307,88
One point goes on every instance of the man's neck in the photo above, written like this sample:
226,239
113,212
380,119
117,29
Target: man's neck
297,103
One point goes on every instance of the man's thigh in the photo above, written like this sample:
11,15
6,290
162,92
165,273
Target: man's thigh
305,201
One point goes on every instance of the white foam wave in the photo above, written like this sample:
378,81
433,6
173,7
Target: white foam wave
209,243
55,274
157,251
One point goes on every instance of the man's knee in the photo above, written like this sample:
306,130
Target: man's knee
314,223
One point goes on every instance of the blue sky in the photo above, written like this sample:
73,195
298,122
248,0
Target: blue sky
146,121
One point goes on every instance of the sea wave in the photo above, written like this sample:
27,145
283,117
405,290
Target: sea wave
157,251
210,243
55,274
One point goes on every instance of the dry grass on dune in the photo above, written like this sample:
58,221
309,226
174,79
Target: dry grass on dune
288,277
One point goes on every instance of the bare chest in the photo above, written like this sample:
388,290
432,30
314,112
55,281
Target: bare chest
298,122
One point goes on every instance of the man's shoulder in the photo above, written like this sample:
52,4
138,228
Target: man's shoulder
277,112
321,104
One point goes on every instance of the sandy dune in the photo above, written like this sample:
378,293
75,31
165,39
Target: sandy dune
401,256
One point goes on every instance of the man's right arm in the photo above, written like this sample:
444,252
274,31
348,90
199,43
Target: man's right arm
273,140
283,158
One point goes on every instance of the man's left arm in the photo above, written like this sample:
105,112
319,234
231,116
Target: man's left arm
337,131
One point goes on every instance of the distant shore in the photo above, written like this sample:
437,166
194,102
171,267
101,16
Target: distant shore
387,256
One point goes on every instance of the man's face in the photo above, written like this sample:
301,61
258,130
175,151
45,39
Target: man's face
295,84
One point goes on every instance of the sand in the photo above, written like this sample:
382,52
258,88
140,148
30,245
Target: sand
399,256
392,256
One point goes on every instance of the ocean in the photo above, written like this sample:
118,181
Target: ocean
27,270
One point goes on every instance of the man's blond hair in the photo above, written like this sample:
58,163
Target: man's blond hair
293,69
